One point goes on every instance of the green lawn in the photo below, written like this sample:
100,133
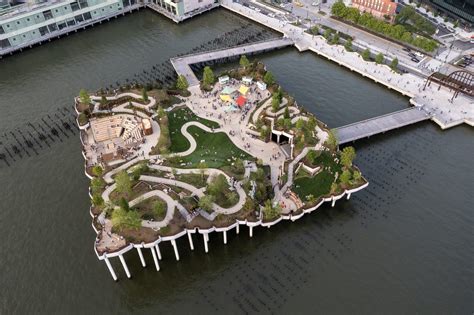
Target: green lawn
324,158
317,186
215,148
177,118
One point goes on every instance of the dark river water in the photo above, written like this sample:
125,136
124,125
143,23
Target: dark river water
403,245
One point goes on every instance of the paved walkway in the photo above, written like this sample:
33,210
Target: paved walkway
170,202
373,126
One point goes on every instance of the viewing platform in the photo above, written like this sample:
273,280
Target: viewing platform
380,124
182,64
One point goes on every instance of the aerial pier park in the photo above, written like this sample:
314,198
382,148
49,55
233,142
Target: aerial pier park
220,153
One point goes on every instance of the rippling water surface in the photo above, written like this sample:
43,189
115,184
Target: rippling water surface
403,245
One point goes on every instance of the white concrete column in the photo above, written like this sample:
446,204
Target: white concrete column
153,253
140,254
125,267
158,251
333,202
206,249
111,269
251,231
190,238
348,196
237,228
175,246
225,237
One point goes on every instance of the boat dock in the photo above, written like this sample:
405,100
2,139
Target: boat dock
380,124
182,64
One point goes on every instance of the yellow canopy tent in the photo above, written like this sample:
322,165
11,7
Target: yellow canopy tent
226,98
243,89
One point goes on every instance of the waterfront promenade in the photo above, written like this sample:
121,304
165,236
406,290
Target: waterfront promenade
436,102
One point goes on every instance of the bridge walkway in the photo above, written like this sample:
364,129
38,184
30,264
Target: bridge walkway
380,124
182,64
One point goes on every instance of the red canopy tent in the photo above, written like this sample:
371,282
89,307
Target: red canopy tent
241,100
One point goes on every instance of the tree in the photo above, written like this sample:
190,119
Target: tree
208,76
268,78
332,141
394,64
97,170
232,197
357,176
269,211
366,54
97,184
275,104
159,209
205,203
123,182
103,100
125,219
348,45
244,62
311,156
144,95
286,114
335,39
379,58
348,154
345,177
238,167
300,124
97,200
182,83
217,185
123,204
338,9
84,97
327,34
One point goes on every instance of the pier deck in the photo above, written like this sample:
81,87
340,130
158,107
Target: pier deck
182,64
380,124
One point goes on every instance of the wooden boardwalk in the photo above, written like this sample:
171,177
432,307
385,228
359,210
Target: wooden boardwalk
376,125
182,64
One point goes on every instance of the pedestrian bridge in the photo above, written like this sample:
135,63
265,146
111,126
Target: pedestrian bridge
182,64
380,124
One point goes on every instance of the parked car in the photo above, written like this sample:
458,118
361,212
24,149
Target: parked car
412,55
257,10
406,49
415,60
315,4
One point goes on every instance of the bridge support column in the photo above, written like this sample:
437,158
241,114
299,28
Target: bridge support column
111,269
348,196
140,254
125,267
153,253
206,248
158,251
175,247
333,202
190,238
250,231
225,237
237,229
